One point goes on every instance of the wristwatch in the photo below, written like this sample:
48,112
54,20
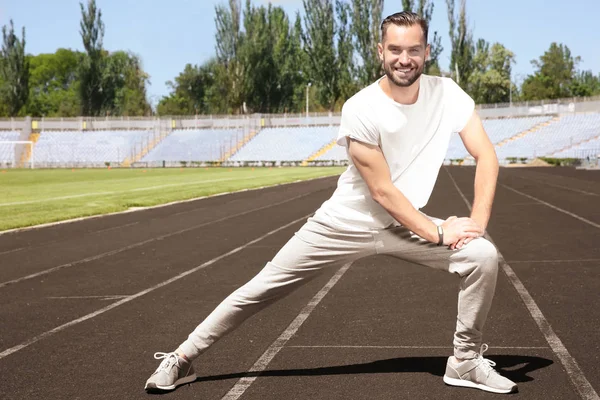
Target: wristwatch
441,235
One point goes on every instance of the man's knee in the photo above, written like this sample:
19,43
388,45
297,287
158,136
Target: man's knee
483,253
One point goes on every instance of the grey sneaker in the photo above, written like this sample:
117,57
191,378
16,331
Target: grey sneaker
477,373
173,371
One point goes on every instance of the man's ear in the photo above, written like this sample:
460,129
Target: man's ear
380,51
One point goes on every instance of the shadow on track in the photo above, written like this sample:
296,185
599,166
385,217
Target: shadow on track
514,367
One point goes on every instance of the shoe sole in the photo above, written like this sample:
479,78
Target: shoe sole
469,384
157,388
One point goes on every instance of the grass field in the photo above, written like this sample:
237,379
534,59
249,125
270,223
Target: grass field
31,197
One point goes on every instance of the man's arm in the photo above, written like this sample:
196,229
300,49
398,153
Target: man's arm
481,148
372,166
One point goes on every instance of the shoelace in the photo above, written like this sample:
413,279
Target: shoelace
169,359
486,364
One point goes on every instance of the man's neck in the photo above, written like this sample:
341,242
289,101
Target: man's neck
402,95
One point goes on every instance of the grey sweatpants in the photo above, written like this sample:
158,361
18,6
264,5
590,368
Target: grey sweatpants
316,247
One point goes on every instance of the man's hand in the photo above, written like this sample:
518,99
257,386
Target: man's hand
460,231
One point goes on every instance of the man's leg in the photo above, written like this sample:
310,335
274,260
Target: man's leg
477,265
314,248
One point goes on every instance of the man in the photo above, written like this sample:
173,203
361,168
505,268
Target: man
397,132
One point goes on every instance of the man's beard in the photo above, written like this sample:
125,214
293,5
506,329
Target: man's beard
407,80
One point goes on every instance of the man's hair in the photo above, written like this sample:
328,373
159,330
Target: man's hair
404,18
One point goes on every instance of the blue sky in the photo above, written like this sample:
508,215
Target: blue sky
169,34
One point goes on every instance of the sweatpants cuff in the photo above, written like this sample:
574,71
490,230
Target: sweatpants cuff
189,349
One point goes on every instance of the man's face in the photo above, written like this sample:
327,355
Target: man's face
403,53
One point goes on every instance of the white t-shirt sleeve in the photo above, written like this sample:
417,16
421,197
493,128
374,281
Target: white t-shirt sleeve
356,125
460,104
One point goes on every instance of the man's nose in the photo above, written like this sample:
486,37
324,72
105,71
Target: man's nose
404,59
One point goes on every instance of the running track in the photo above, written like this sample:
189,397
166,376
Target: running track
86,304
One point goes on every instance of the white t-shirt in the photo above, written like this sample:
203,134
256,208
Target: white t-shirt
413,138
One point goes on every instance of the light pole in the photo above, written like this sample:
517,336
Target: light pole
307,87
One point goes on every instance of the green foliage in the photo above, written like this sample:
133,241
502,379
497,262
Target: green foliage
261,73
554,77
229,73
14,71
268,79
110,84
490,80
124,85
345,51
188,95
320,45
461,39
366,22
263,63
92,67
585,84
54,84
562,162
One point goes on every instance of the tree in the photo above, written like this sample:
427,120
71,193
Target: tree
54,84
192,91
229,39
289,60
585,84
262,34
297,66
321,39
425,10
554,75
345,51
366,30
92,67
14,70
490,80
462,44
124,85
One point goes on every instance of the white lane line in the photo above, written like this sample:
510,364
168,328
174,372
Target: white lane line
587,221
127,299
554,261
529,203
113,228
558,186
12,251
107,297
138,244
45,244
261,364
411,347
575,374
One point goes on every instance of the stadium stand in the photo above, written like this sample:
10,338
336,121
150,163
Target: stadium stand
585,149
194,145
559,136
88,148
286,144
336,153
565,133
505,128
7,152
